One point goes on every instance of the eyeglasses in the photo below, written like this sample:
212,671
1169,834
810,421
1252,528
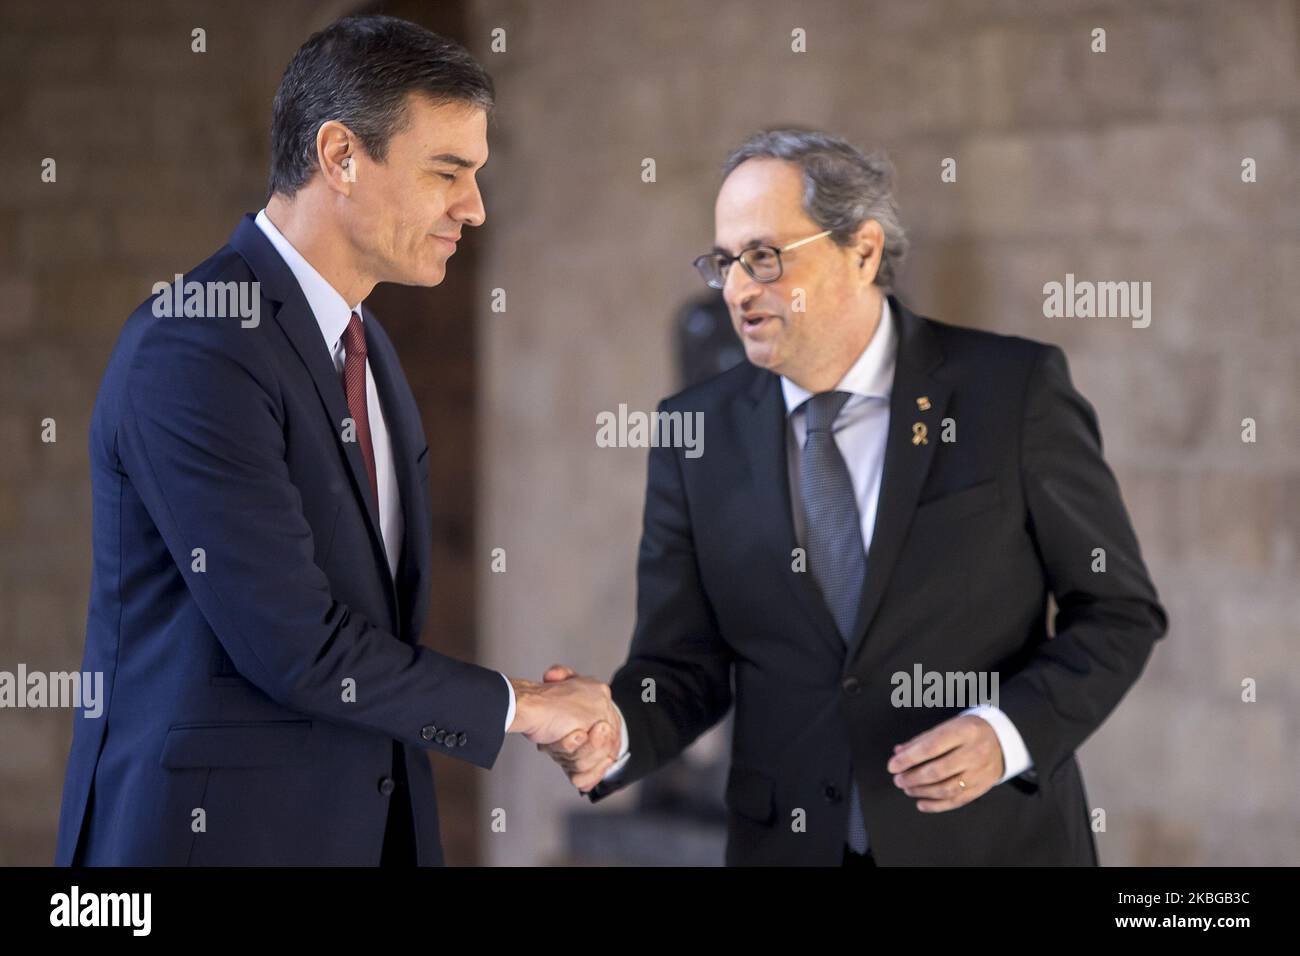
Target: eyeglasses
763,263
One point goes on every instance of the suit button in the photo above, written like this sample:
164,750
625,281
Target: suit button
440,736
461,738
831,793
428,732
386,786
851,685
451,738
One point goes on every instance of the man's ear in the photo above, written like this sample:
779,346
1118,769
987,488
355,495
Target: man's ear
869,240
336,155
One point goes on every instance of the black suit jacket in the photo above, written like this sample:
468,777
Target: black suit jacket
971,537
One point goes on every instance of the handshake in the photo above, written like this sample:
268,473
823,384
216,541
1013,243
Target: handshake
571,718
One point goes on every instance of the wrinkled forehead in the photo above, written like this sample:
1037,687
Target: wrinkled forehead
760,203
454,130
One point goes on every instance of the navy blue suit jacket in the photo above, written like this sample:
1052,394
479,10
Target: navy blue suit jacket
229,735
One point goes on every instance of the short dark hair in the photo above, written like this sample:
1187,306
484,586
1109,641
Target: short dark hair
358,71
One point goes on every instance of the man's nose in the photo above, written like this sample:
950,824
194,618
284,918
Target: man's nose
739,288
468,208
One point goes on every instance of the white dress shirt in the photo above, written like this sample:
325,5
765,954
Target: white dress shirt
333,314
859,431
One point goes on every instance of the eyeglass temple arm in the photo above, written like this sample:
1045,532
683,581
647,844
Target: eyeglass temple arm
796,245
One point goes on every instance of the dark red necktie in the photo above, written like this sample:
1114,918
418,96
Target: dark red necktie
354,383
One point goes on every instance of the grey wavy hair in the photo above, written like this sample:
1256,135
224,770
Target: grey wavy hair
843,187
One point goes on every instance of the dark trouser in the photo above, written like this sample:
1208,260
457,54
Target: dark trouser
855,859
399,836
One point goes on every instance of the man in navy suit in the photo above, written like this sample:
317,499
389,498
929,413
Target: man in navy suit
261,524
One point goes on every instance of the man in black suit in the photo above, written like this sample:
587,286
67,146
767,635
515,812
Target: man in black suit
884,497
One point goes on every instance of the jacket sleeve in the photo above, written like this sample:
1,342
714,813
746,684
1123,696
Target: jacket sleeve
201,438
1107,621
676,683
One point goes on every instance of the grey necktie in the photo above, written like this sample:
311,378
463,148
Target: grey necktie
834,539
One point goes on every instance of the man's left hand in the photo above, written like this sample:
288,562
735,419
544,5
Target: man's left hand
933,766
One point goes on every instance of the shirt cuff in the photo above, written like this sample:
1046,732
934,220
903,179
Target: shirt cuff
510,711
623,754
1015,756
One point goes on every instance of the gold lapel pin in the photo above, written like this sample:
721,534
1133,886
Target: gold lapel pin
923,403
918,434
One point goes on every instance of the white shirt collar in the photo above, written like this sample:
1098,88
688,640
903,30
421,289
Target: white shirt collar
331,310
871,375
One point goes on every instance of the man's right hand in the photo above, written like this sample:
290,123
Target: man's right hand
567,712
586,754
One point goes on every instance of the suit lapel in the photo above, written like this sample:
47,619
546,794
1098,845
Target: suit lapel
295,317
907,460
407,437
764,431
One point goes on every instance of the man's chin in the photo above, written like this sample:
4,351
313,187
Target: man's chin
763,355
426,277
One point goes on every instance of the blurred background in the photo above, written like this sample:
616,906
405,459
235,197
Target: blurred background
1123,165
